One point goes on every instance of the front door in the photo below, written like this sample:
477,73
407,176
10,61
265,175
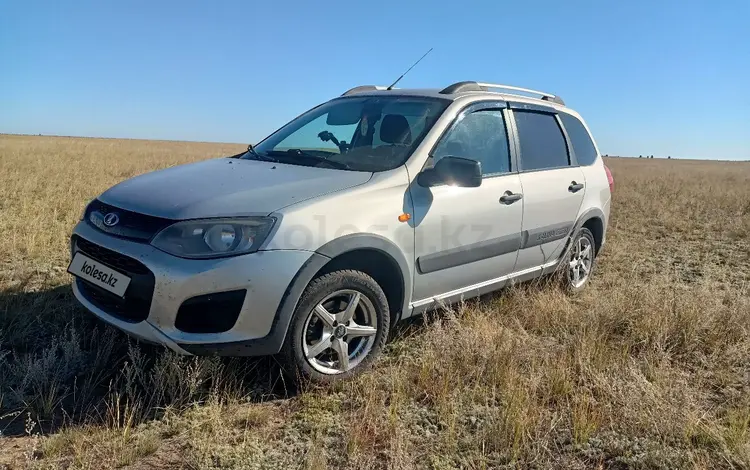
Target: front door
467,237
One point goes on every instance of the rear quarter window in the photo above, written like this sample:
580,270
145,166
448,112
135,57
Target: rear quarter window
580,140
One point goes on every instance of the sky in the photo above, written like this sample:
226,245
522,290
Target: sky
649,77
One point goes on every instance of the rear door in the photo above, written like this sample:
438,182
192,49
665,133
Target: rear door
553,185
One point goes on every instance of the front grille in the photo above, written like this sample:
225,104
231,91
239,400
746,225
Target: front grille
114,260
136,303
131,225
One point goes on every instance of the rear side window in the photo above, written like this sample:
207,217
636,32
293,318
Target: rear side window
542,141
579,139
479,136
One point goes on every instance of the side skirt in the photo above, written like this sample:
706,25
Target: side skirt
481,288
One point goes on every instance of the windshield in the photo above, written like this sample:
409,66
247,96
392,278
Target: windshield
359,133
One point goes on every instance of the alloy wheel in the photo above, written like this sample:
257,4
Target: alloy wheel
339,332
581,260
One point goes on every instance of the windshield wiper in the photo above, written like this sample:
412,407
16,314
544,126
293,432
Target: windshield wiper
258,156
296,153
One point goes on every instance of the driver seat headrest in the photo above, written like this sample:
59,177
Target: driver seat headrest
395,130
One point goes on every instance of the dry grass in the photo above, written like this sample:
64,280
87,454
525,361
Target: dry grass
646,369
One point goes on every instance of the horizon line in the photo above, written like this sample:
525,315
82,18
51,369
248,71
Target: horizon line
604,155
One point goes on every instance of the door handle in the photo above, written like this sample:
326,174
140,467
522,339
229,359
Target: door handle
509,197
575,187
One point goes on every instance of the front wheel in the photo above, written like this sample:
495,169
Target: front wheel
339,327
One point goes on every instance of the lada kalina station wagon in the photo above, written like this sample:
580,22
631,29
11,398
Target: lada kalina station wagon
370,208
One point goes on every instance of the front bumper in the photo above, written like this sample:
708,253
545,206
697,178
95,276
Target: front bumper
266,275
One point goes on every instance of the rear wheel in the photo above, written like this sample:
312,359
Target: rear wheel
579,263
339,327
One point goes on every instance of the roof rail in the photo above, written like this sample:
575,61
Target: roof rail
362,88
459,87
480,86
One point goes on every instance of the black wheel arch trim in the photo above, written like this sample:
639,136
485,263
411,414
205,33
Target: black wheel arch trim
359,241
585,216
588,214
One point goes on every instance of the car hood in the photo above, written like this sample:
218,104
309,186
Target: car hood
227,187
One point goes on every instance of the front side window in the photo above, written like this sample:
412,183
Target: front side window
542,142
375,133
580,139
479,136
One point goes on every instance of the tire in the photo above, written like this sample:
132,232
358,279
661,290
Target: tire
576,253
314,343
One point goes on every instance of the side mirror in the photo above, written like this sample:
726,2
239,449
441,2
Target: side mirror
453,171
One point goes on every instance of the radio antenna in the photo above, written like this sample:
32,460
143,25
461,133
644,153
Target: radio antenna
407,70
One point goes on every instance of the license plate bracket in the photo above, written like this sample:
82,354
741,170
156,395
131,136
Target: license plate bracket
98,274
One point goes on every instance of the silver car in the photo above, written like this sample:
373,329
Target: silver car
365,210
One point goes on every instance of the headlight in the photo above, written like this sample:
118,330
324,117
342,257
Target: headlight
214,238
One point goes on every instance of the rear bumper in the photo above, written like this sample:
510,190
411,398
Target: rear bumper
605,210
271,279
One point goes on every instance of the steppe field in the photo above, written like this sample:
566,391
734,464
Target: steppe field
648,368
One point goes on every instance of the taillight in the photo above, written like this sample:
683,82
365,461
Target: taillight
610,180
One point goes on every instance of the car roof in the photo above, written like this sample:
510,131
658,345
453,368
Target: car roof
469,91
